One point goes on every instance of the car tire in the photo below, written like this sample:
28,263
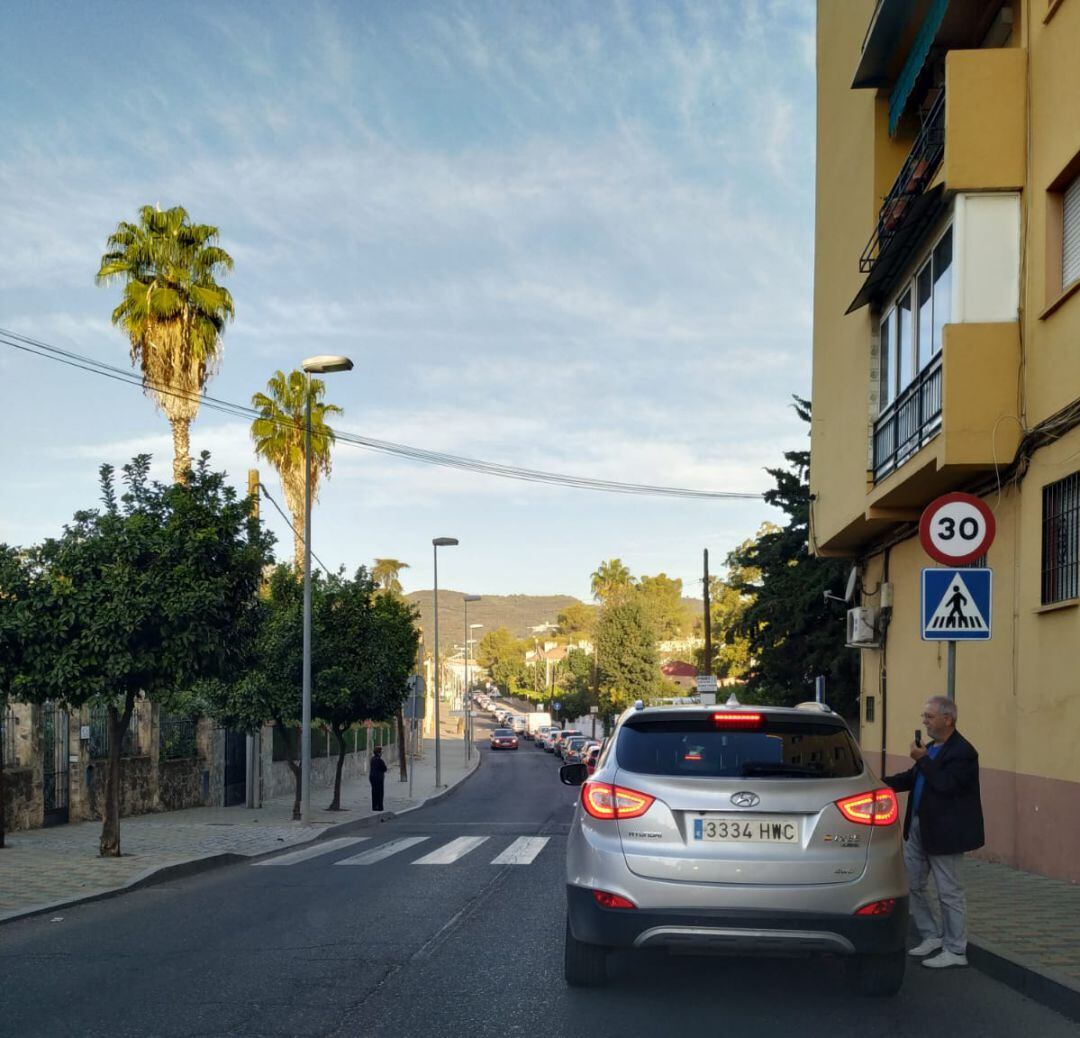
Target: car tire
878,976
584,965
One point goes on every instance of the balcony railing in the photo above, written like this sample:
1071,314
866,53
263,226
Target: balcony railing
909,422
915,174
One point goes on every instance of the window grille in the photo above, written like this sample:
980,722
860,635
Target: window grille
1061,540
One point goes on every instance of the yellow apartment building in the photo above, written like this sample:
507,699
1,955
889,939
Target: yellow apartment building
947,357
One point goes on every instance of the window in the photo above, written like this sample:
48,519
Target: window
912,330
1070,234
1061,540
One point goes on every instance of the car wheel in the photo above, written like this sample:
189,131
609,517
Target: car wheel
879,976
584,965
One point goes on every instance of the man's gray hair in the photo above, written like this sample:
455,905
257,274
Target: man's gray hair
946,707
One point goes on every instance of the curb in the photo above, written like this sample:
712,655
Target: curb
159,874
1041,984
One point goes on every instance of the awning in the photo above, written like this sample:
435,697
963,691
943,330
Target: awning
903,245
887,25
915,60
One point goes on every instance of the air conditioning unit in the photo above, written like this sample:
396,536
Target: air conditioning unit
862,628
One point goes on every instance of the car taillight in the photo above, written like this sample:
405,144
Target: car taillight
606,900
878,807
884,907
732,720
603,800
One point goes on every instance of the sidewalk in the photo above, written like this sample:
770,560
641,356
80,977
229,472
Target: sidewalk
44,869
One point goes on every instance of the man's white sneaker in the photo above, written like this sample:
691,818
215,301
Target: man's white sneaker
931,944
944,960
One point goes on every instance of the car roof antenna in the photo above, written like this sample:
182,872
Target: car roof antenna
732,701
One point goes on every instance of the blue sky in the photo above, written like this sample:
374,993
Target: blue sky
567,236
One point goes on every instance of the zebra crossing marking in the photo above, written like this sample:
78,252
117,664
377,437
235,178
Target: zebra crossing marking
319,849
522,851
451,852
383,851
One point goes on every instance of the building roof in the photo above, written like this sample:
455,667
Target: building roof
678,669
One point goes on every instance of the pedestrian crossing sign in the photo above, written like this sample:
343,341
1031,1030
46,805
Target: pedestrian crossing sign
956,604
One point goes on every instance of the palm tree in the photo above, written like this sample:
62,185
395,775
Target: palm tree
610,579
173,310
385,574
278,433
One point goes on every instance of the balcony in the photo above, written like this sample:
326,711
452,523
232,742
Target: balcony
909,422
916,173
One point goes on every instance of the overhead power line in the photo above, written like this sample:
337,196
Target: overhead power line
429,457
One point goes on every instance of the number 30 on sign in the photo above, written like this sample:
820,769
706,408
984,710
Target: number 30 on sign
956,529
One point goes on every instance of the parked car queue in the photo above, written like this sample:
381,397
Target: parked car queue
570,745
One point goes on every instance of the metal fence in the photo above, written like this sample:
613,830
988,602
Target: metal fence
1061,540
99,735
177,738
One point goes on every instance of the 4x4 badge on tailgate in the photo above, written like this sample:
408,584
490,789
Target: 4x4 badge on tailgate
745,799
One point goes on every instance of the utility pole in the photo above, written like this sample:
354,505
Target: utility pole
708,619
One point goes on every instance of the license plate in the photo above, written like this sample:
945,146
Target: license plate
747,829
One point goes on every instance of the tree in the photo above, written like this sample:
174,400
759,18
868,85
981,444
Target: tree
385,573
14,639
626,651
610,580
146,596
278,434
793,634
576,621
573,680
173,311
662,597
504,657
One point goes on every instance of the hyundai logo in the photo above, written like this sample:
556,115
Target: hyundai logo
745,799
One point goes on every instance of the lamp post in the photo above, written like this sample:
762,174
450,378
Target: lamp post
468,699
320,366
437,543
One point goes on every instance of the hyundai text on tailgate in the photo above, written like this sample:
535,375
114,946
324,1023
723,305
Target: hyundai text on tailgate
741,830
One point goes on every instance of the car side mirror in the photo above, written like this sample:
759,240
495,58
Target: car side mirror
573,774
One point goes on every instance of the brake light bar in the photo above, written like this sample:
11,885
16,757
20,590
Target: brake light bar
736,720
603,800
877,807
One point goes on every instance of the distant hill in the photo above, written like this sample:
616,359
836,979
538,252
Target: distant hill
518,613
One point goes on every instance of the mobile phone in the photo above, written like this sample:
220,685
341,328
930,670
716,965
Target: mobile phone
918,737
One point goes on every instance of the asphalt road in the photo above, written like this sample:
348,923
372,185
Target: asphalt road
398,948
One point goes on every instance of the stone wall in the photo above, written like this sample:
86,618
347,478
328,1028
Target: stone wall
22,810
279,779
180,784
138,787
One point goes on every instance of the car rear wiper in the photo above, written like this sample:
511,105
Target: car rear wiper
790,770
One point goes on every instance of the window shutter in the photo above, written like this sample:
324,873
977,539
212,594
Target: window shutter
1070,259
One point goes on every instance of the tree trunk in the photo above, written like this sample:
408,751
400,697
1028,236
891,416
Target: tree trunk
298,545
109,846
402,747
181,438
339,734
294,765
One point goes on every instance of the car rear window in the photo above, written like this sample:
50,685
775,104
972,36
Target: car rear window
502,731
781,748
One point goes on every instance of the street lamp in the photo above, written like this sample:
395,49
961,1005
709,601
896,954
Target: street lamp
437,543
321,365
468,701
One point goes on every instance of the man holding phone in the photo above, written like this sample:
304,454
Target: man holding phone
944,819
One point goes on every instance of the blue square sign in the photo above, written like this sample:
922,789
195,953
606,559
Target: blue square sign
956,605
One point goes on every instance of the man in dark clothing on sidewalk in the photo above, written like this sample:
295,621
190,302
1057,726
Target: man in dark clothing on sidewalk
944,819
377,778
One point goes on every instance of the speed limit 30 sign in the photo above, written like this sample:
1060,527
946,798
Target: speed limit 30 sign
956,529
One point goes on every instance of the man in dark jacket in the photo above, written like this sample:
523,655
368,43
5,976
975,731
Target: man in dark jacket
944,819
377,777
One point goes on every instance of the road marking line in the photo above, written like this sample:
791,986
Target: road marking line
383,851
325,847
452,851
522,851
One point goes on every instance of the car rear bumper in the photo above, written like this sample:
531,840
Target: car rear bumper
742,931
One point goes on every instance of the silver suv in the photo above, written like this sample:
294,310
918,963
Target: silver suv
735,829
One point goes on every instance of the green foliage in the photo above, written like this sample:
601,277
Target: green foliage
504,656
15,619
793,636
626,653
577,621
611,580
574,680
667,613
385,574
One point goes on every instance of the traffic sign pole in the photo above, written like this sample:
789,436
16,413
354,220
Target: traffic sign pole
950,671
